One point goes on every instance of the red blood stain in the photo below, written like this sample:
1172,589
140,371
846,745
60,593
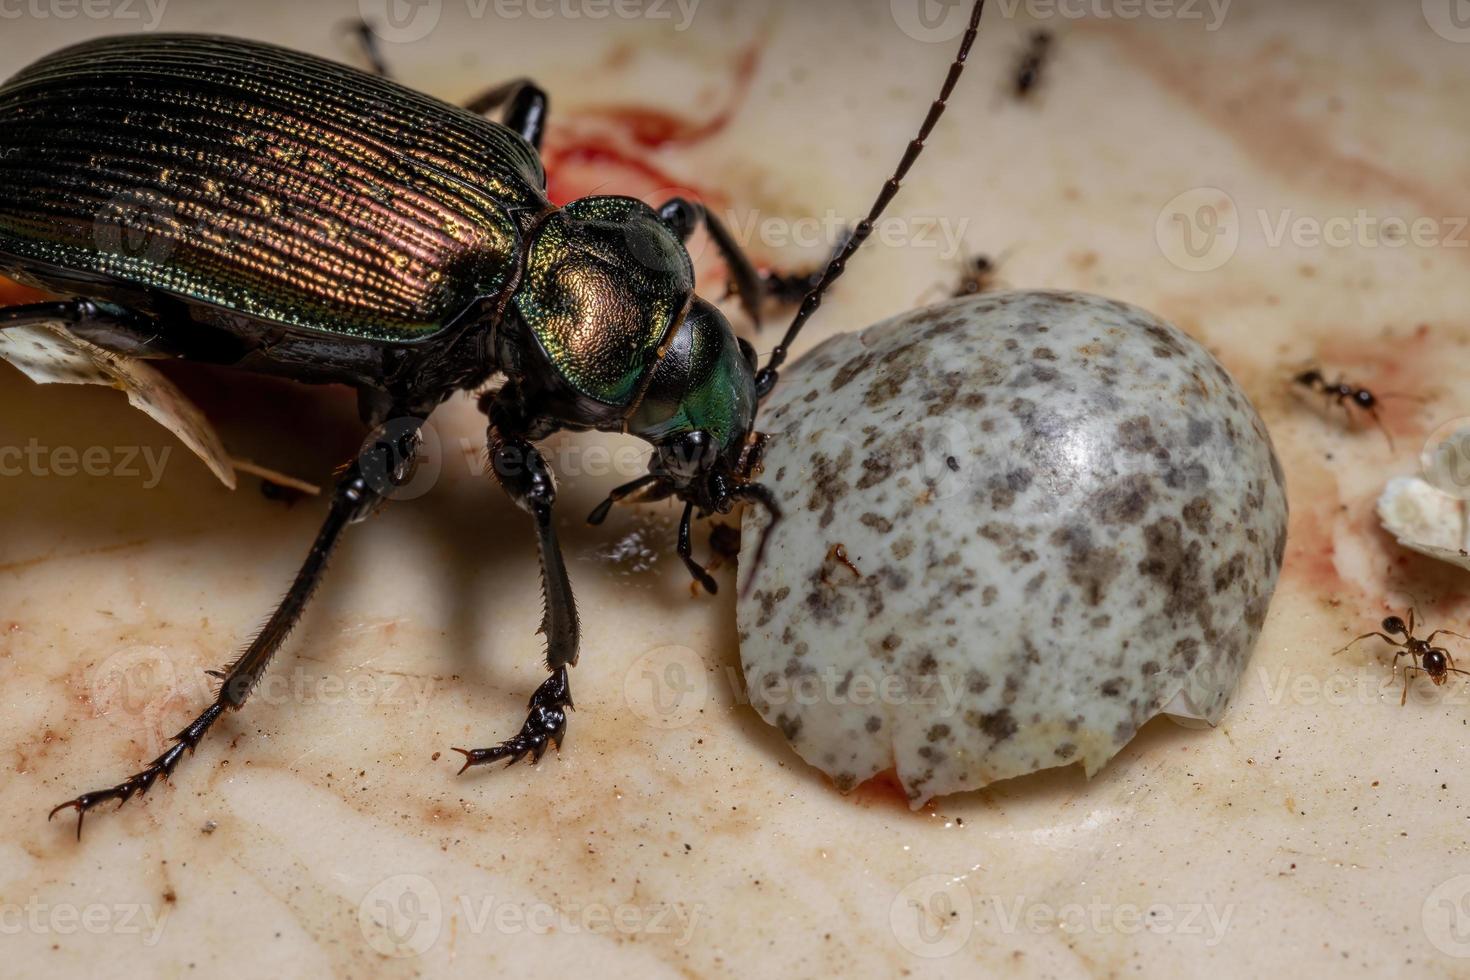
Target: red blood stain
654,128
606,149
13,293
1398,364
1399,370
884,789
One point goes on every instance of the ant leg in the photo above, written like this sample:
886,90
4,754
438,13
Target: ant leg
1431,636
686,552
355,497
1404,698
1384,636
527,112
1373,414
524,475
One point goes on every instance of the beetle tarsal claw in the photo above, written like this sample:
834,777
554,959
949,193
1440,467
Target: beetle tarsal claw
546,725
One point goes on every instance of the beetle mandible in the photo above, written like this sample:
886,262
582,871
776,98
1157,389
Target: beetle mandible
309,220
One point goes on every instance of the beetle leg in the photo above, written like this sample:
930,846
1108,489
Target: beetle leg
600,512
357,494
524,475
70,312
682,216
686,553
527,112
367,39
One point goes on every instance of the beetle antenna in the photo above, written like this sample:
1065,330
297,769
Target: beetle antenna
766,379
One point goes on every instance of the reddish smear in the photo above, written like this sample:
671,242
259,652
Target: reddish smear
585,165
604,149
884,789
1398,369
13,293
654,128
1400,363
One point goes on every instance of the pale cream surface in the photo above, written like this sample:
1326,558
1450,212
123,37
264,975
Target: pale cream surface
1320,827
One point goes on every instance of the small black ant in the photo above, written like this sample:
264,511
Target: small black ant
1427,658
1029,67
1349,396
979,276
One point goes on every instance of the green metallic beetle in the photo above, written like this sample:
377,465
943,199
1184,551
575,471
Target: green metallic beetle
237,203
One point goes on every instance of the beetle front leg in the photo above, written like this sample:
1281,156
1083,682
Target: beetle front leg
682,216
524,475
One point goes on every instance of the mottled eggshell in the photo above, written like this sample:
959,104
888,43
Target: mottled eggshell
1017,527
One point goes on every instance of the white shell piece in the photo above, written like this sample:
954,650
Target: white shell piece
48,354
1426,519
1065,518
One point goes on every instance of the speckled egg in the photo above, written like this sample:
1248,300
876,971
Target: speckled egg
1017,527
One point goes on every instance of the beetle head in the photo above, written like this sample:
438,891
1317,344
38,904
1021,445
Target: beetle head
699,413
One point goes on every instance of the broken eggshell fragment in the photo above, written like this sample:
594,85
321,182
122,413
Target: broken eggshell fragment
1017,527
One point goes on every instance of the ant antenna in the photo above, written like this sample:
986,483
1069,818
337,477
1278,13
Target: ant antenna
766,379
